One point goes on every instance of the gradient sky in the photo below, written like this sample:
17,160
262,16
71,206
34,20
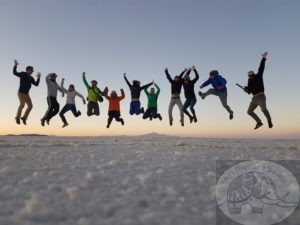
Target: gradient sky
140,37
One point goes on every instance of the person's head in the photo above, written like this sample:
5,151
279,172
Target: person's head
113,94
186,78
94,83
213,74
53,76
251,74
176,78
136,83
71,87
29,70
152,91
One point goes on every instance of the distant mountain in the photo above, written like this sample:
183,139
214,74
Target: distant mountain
29,135
156,135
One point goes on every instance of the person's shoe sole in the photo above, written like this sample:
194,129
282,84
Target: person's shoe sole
23,121
18,121
270,124
195,120
231,116
258,126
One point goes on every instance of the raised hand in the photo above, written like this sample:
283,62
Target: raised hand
264,55
193,67
38,75
83,73
124,74
166,69
16,62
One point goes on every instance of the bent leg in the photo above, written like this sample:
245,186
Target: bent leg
223,98
65,109
170,110
262,103
251,112
29,107
186,104
21,106
210,92
96,109
192,105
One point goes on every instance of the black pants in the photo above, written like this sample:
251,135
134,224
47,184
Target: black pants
66,108
53,108
93,109
151,112
114,115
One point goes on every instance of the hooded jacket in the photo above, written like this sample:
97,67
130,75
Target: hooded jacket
152,99
217,81
188,87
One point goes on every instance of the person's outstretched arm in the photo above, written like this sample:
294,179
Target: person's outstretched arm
101,92
37,82
122,94
15,72
62,88
168,75
262,64
80,96
206,83
84,81
182,73
146,91
128,83
106,93
48,78
147,85
196,75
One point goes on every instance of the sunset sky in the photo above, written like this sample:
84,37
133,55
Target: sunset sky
141,37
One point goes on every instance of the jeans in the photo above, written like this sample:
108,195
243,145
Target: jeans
53,108
67,108
135,108
189,102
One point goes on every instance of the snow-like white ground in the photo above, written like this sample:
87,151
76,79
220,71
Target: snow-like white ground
119,180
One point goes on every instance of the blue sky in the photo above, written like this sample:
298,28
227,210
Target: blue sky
107,38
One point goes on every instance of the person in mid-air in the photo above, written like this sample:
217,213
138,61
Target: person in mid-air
70,102
152,96
256,88
219,89
53,105
135,89
176,85
189,93
26,80
94,95
114,106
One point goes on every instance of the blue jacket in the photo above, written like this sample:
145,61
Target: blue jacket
217,81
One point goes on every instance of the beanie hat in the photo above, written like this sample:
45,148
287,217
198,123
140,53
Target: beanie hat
251,73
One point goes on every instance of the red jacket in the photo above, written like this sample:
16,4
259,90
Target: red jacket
114,102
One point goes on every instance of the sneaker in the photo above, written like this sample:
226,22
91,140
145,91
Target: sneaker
191,119
18,120
65,124
231,116
270,124
42,122
182,123
258,125
23,120
201,94
79,113
122,122
151,118
171,122
107,126
48,121
142,110
195,119
159,117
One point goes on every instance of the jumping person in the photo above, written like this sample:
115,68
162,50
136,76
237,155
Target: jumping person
176,85
70,103
135,89
151,111
114,106
219,89
23,93
189,93
94,95
256,88
53,105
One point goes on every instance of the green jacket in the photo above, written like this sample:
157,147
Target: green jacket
93,93
152,99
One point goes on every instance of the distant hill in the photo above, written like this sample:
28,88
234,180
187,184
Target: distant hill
29,135
156,135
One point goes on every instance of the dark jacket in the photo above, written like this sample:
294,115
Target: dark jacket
216,82
136,90
25,81
189,91
256,84
175,86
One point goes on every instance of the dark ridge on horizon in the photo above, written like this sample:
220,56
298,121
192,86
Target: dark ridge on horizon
28,135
